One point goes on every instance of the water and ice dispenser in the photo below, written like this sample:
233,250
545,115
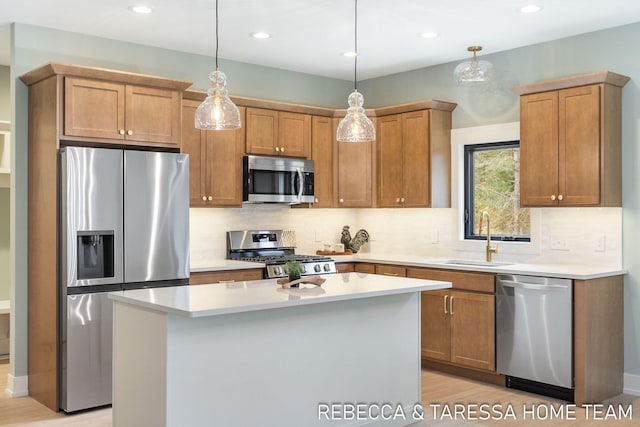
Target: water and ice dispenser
95,254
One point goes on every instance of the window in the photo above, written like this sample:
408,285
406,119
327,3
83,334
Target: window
492,184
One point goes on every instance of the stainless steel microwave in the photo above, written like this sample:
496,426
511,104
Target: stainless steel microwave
277,180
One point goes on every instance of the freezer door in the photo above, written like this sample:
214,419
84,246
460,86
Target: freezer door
156,216
86,351
90,216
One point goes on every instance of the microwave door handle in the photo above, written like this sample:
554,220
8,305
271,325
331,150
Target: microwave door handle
301,183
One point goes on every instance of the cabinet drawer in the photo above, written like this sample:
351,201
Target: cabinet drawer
205,277
479,282
345,267
363,267
391,270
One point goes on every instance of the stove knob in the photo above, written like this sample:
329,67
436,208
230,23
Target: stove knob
277,270
303,268
327,267
317,268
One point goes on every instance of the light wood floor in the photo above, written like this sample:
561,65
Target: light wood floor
437,389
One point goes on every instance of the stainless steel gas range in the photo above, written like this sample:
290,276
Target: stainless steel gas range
274,248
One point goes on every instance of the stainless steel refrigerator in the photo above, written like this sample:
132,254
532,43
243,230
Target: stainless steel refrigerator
124,225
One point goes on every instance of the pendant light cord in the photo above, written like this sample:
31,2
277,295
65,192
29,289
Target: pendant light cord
217,34
355,43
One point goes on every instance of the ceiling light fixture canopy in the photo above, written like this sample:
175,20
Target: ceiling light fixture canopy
356,126
217,111
474,71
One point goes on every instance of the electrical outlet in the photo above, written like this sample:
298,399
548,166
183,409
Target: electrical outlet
435,237
558,243
600,243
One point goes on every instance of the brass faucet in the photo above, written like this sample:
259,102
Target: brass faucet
489,250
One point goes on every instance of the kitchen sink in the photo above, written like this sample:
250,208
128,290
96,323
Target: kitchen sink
473,263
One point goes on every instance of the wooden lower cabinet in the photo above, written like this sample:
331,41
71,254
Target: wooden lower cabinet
458,325
345,267
391,270
206,277
365,267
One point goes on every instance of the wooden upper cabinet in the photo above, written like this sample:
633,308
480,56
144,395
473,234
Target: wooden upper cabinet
278,133
122,113
215,161
355,173
414,158
570,141
323,155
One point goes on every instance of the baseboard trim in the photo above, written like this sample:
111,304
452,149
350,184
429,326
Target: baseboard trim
17,386
490,377
632,384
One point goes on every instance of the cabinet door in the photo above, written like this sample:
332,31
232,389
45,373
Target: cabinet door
435,325
539,149
391,270
579,147
363,267
193,145
201,278
322,153
473,329
94,109
262,131
153,115
415,160
390,158
345,267
355,176
224,165
294,134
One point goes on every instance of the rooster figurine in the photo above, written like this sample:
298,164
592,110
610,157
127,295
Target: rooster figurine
354,244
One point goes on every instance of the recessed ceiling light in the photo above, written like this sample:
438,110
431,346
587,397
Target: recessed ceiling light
140,9
349,54
260,35
530,8
429,35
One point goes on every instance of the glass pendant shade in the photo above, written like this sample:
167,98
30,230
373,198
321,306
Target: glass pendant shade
474,71
356,126
217,111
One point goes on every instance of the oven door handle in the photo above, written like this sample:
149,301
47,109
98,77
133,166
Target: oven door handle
300,183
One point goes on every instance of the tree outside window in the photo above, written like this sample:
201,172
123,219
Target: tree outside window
492,184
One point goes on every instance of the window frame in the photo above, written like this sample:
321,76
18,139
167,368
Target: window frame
469,191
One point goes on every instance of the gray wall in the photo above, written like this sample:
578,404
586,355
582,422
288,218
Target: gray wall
5,115
5,99
611,49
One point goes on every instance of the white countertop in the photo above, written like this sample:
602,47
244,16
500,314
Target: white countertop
567,271
225,298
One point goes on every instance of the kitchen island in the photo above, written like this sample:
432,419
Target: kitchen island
252,353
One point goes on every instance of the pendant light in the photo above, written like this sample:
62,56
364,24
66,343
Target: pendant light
217,111
356,126
474,71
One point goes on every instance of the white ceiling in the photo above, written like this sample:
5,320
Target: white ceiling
309,35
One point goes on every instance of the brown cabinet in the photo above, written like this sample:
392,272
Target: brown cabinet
278,133
414,158
215,161
121,113
323,154
364,267
570,142
458,325
345,267
355,170
391,270
206,277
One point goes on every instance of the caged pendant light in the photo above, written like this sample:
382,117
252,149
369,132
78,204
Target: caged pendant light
474,71
217,111
356,126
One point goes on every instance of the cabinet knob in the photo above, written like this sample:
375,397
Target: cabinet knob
341,200
397,199
129,132
204,198
277,149
560,197
282,149
316,199
553,197
402,200
210,198
121,132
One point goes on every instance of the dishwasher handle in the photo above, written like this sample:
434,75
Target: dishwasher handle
533,286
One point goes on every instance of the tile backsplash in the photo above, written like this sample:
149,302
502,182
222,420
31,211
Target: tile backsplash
559,235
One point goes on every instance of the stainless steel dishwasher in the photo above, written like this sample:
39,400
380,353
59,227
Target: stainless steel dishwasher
534,324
